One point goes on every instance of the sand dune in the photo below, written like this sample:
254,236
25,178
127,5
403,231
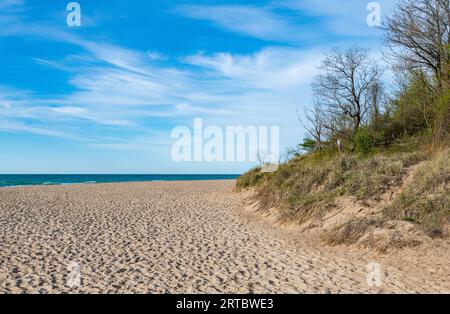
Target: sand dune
177,237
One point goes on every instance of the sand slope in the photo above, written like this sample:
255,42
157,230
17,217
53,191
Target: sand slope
178,237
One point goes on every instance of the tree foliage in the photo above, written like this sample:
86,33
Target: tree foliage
351,106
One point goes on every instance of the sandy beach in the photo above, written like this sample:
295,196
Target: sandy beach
175,237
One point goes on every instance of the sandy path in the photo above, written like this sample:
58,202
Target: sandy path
178,237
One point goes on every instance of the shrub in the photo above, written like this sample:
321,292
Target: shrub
364,141
308,145
250,178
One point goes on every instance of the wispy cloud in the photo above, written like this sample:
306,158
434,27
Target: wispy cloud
271,68
258,22
188,109
292,21
9,14
120,87
128,92
83,113
12,126
344,18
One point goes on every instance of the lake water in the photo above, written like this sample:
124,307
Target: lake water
61,179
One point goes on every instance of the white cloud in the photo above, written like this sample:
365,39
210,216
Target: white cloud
334,7
187,109
348,18
12,126
84,113
156,56
258,22
293,21
117,88
270,68
73,111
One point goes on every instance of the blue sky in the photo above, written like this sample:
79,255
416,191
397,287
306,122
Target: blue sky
104,97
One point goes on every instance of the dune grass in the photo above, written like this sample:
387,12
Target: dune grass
426,200
308,185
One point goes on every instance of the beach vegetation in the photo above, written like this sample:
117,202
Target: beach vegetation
381,147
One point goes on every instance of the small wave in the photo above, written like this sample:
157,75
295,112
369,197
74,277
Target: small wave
77,183
13,186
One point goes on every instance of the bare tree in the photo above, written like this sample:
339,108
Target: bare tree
418,36
290,153
263,158
377,94
313,122
346,88
267,162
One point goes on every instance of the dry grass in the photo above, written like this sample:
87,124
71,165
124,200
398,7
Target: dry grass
249,179
351,232
307,186
426,200
372,233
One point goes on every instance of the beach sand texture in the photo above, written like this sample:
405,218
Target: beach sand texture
166,237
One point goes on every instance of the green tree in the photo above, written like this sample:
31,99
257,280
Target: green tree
308,145
364,141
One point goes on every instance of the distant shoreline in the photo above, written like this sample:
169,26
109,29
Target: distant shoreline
24,180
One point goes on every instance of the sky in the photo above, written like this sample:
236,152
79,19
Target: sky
105,96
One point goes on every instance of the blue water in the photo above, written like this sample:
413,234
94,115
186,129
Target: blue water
61,179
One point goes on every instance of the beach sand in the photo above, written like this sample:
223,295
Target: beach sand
172,237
